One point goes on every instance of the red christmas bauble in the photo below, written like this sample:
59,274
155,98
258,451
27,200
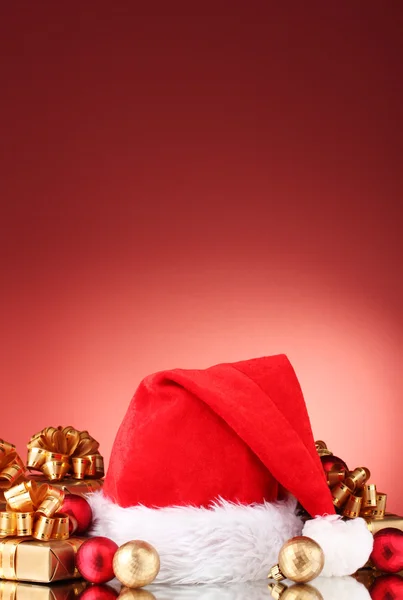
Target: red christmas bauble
95,559
335,469
387,554
80,512
388,587
99,592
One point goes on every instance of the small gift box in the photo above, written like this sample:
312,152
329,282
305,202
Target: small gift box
14,590
37,561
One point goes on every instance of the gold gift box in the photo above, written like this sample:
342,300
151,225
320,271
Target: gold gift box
72,486
14,590
389,520
42,562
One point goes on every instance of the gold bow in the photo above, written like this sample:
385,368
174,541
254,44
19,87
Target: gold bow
59,451
32,511
352,495
11,466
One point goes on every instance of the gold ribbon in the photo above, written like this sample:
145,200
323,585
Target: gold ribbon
57,452
8,558
11,466
352,495
32,512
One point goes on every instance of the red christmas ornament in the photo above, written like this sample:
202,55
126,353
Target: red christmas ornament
387,554
335,469
79,511
387,587
99,592
95,559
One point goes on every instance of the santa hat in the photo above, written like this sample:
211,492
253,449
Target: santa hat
208,466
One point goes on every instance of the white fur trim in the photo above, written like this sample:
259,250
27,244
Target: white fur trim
227,543
347,545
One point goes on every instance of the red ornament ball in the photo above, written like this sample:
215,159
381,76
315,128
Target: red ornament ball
335,469
99,592
387,587
95,559
387,554
80,512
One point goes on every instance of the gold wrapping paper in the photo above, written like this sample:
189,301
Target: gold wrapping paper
72,486
14,590
389,520
42,562
59,451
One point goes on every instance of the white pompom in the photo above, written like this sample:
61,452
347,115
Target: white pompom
347,545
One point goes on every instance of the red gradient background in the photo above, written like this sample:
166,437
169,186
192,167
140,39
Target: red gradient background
186,190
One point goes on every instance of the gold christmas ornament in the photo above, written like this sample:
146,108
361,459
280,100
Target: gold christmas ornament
131,594
136,564
301,559
299,591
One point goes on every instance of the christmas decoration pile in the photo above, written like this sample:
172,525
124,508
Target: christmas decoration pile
38,513
44,510
352,495
32,509
301,559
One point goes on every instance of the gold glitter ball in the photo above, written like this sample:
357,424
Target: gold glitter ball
299,591
131,594
301,559
136,564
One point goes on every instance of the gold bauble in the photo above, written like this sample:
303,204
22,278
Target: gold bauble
136,564
299,591
301,559
131,594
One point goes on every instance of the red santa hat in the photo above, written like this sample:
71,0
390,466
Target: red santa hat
208,467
